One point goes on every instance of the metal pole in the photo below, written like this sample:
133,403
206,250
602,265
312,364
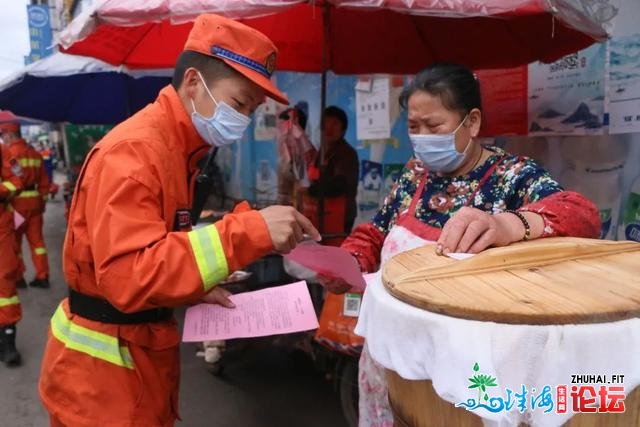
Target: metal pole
326,15
65,145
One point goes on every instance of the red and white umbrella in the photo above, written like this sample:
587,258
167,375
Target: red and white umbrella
345,36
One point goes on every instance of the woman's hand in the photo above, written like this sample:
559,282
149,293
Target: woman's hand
219,296
334,285
471,230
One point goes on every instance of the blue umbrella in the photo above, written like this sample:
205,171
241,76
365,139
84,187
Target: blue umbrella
81,90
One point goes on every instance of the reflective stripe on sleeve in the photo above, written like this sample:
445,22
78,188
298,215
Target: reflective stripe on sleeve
95,344
28,194
9,301
209,254
30,163
9,186
40,251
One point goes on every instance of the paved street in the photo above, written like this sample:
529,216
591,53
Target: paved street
266,387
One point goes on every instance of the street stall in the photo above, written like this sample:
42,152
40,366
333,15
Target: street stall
335,35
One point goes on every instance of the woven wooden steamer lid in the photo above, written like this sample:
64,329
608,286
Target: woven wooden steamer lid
560,280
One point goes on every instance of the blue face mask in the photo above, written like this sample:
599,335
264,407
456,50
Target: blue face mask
437,152
224,127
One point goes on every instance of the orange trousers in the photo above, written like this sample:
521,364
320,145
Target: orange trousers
32,227
10,310
79,389
54,422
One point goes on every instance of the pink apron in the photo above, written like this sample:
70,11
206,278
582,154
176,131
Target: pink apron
407,233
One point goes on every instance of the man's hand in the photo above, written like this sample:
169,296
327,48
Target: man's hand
287,227
471,230
219,296
334,285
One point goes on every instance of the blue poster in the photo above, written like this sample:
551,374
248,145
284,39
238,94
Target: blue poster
40,35
624,70
566,97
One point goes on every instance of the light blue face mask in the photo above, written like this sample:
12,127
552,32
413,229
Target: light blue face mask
437,152
224,127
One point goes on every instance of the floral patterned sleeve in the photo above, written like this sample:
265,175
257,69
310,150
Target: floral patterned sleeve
565,213
530,182
366,240
398,199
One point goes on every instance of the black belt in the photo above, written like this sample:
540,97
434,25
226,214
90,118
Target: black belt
101,311
29,188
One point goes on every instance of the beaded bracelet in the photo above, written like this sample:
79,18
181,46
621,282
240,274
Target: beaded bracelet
527,229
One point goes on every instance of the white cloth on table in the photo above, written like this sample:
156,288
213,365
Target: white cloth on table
418,344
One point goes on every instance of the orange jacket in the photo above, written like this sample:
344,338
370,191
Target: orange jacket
35,179
121,244
135,185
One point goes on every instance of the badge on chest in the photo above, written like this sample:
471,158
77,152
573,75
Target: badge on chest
183,220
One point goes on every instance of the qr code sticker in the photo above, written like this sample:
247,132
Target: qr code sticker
351,305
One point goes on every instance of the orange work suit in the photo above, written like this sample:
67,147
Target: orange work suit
134,190
30,203
10,185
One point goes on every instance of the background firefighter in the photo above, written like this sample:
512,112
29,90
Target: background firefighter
10,309
30,203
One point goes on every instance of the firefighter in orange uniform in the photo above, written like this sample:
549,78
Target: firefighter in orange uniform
30,203
10,310
112,356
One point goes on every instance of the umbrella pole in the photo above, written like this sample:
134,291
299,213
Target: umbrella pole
65,145
323,102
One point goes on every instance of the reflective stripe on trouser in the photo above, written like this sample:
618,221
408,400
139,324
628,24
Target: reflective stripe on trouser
84,340
14,300
10,309
85,390
209,255
33,229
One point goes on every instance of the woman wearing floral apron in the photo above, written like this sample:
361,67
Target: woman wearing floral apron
457,193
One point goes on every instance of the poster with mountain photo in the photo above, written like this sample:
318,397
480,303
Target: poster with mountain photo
566,97
624,70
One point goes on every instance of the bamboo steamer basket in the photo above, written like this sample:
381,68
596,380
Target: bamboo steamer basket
549,281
